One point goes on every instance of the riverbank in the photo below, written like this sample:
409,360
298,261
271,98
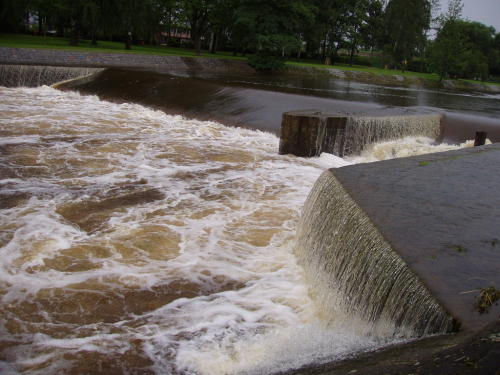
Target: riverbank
70,58
74,58
366,76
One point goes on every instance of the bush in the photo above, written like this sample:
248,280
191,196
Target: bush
266,62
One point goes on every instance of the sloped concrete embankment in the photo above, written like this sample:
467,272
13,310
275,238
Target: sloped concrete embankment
441,214
45,57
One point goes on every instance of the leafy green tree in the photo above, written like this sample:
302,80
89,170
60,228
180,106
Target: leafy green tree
407,20
448,52
463,48
197,14
274,27
12,14
373,30
356,18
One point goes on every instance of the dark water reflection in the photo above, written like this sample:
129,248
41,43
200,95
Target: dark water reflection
258,100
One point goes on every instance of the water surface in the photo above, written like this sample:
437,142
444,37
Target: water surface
136,242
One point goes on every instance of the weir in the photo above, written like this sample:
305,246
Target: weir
34,76
405,245
379,254
311,132
357,277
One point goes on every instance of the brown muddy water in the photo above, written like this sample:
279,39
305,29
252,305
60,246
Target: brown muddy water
137,241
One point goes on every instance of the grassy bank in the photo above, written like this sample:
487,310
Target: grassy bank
50,42
356,72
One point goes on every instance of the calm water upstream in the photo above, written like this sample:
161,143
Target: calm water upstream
258,101
139,242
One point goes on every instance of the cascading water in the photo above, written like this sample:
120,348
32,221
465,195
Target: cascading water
312,132
365,130
356,277
136,242
34,76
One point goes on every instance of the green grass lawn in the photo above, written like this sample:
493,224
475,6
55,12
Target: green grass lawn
31,41
366,69
50,42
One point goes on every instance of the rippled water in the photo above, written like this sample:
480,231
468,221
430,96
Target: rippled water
135,242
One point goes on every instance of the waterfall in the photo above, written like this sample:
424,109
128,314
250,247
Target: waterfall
311,132
362,131
356,278
34,76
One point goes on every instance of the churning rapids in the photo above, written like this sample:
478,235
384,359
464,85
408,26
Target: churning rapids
136,242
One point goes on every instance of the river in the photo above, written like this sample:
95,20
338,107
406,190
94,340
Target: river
135,240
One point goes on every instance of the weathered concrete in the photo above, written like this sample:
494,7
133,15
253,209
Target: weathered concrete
32,56
460,354
311,132
34,76
441,213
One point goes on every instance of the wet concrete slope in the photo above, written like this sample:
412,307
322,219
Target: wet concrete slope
193,96
441,213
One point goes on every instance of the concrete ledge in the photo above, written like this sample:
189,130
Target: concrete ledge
34,76
311,132
441,214
31,56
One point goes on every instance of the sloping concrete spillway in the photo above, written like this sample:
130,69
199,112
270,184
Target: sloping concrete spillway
404,245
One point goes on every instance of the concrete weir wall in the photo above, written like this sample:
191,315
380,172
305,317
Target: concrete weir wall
28,56
34,76
440,213
311,132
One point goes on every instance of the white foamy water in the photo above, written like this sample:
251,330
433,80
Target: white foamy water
136,242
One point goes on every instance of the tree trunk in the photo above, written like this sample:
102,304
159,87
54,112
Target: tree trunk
94,36
334,56
352,52
74,28
128,26
215,41
422,61
45,32
324,47
40,24
404,58
196,39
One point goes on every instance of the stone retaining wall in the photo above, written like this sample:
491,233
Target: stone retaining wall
31,56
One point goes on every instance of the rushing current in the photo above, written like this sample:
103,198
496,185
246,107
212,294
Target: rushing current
137,242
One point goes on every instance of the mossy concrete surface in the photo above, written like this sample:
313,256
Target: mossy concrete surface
441,213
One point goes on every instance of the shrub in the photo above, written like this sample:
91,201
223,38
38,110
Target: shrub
266,62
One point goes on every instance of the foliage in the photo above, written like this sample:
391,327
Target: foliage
486,299
462,49
407,21
275,30
265,62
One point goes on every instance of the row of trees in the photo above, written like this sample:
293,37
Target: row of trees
277,29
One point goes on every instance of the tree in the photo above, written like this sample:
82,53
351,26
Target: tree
356,18
463,48
447,55
373,30
274,27
197,14
407,20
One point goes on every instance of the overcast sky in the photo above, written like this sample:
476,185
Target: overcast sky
484,11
